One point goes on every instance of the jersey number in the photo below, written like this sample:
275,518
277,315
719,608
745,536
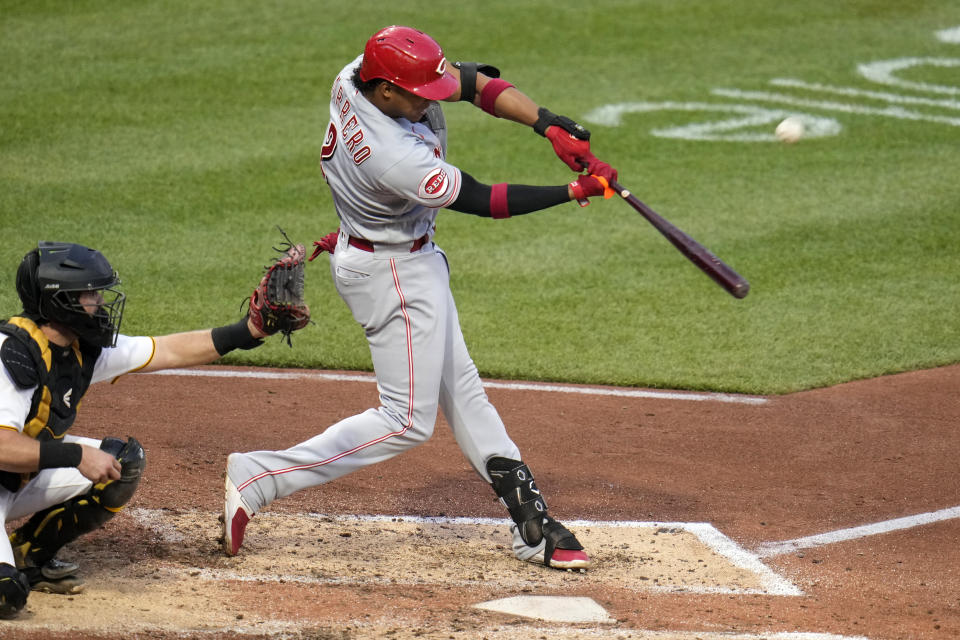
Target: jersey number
330,145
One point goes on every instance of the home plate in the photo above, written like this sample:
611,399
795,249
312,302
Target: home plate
552,608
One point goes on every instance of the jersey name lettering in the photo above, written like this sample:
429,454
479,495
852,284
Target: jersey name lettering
350,126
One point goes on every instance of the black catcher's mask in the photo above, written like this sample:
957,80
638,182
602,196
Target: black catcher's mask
52,277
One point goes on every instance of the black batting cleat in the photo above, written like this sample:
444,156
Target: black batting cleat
559,548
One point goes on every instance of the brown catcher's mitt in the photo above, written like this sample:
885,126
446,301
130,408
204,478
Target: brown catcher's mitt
277,303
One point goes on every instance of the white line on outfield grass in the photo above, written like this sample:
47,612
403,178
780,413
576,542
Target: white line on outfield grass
946,103
769,549
950,36
514,386
890,112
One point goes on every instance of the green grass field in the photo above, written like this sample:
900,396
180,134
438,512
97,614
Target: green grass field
174,136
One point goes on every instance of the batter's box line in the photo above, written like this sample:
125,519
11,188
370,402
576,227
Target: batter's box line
771,583
771,549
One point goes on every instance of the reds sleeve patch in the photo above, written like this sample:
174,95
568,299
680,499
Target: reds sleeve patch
435,184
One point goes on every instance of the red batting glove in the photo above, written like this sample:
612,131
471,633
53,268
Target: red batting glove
568,147
597,167
587,186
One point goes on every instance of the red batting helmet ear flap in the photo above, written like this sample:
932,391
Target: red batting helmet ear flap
409,59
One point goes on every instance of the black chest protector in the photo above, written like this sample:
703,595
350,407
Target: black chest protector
61,376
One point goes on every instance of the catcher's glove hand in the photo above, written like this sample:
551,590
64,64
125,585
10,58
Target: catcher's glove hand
277,303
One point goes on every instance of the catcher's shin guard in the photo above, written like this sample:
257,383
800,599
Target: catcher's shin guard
14,589
38,540
514,484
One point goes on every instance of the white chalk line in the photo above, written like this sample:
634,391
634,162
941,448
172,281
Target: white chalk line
882,72
769,549
709,535
771,583
950,36
751,116
513,386
896,98
890,112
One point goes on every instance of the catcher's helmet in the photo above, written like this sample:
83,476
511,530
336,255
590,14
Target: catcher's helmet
409,59
50,280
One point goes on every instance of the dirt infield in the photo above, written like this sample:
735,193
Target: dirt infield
757,472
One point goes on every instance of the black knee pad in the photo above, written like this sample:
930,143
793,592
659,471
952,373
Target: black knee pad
14,589
513,483
116,493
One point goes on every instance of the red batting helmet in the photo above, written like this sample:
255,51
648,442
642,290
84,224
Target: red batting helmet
409,59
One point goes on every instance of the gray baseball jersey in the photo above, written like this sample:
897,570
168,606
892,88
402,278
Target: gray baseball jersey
388,176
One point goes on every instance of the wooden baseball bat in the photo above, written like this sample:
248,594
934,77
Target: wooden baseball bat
720,271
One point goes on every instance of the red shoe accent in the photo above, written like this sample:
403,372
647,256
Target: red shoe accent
237,528
569,559
236,515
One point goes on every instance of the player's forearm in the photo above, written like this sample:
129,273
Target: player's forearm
505,200
492,94
510,104
203,346
18,453
183,350
570,140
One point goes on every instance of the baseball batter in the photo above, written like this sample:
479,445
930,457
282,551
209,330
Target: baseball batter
66,338
384,158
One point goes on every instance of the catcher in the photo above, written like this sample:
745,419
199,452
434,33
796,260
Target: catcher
65,339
